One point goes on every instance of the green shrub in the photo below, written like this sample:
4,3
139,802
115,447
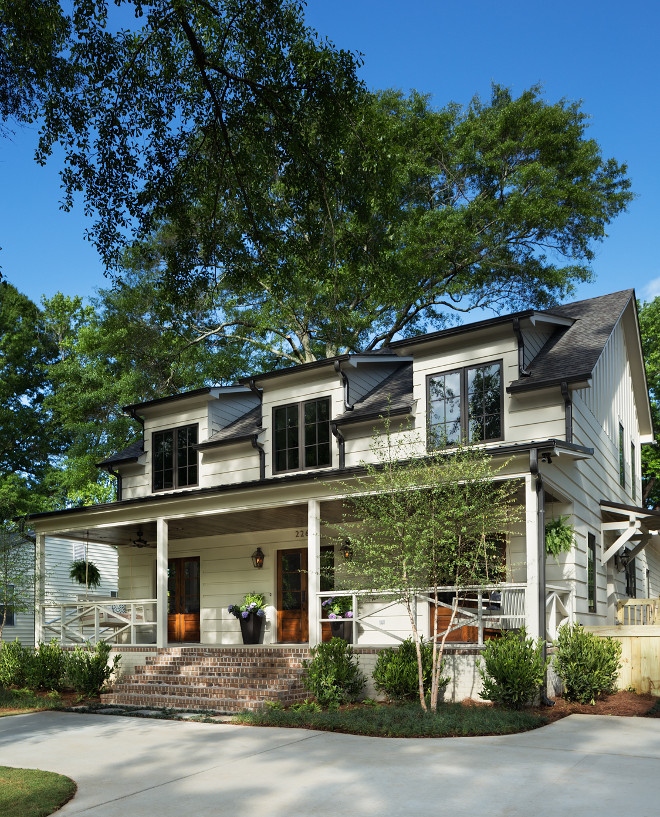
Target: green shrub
513,669
47,667
396,672
588,665
332,674
14,662
88,669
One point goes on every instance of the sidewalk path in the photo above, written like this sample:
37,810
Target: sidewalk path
128,766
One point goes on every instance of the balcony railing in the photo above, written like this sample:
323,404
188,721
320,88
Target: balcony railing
117,621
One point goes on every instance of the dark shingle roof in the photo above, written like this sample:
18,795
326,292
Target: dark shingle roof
392,396
571,353
129,454
243,428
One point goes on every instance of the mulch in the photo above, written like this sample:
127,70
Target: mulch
626,704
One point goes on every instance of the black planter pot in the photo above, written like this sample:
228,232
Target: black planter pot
342,629
251,628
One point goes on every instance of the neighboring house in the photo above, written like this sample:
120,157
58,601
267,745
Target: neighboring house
223,473
58,587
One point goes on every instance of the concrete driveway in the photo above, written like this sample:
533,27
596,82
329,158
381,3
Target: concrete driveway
129,766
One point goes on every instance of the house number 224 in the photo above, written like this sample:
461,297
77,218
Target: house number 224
301,534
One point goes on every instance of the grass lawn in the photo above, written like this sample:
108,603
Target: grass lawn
400,720
32,793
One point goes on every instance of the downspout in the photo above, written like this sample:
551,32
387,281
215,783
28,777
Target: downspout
117,476
540,535
521,349
342,445
137,419
568,411
254,439
344,379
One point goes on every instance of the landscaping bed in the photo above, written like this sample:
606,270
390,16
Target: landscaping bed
400,720
21,701
623,703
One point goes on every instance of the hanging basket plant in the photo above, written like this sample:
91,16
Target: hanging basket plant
559,536
85,573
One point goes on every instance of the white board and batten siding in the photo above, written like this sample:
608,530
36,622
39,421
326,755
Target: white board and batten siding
597,412
59,587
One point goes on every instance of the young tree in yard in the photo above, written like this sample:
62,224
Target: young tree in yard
649,325
17,574
419,523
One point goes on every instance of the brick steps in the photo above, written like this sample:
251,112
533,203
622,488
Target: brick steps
221,679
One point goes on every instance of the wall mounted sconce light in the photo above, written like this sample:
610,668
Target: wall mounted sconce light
258,558
346,549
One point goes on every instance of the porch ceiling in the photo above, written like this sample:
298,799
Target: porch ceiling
215,524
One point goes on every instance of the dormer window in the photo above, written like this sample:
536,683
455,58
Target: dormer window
302,435
465,404
174,461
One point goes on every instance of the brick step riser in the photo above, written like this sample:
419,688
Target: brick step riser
218,666
171,702
214,694
146,678
229,671
224,683
261,693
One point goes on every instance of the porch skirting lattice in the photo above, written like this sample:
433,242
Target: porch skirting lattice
222,679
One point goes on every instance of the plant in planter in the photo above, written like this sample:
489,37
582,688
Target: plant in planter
251,615
559,536
85,573
336,608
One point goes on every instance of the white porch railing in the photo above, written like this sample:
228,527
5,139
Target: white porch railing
117,621
483,608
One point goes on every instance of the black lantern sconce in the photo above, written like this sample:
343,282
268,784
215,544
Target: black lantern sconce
258,558
346,549
140,542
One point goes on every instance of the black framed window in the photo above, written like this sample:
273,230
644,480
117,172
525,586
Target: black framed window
622,457
174,458
10,620
302,435
465,405
591,572
633,472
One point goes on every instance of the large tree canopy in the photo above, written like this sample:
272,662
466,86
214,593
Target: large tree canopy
148,96
30,436
427,213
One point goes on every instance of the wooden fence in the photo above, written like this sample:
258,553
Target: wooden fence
640,655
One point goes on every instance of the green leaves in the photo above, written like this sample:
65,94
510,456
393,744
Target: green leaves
513,669
588,665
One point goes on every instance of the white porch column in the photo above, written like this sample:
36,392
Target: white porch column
161,582
313,569
39,587
535,628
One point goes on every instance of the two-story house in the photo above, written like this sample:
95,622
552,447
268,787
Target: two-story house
227,491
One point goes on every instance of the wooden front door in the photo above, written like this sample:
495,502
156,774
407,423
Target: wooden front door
183,599
292,613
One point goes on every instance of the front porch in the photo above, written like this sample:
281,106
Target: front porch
179,574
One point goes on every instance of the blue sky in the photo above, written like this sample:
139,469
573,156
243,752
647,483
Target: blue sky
604,53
